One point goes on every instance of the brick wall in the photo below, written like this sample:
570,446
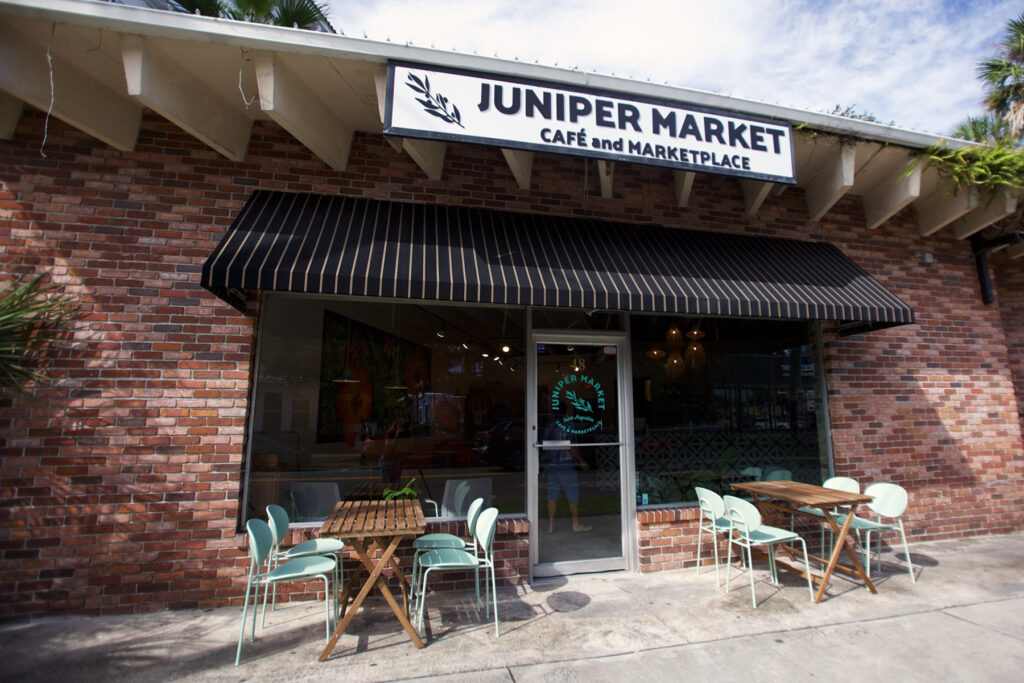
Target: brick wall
121,482
1009,277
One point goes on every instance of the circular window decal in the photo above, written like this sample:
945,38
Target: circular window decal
578,402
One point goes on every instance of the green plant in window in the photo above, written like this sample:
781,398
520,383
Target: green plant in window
407,492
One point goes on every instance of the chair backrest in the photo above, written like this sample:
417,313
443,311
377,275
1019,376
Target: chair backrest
260,542
889,500
711,504
483,531
845,484
277,518
459,493
312,501
754,472
743,515
778,474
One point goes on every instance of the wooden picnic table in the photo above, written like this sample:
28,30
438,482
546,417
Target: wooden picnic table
374,528
787,497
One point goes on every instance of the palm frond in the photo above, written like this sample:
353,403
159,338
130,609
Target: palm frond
33,315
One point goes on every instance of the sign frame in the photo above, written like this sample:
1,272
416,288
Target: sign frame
452,118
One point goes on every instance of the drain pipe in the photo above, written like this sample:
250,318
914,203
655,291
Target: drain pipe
982,248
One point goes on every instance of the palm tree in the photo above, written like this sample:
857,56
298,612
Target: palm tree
1003,77
987,128
307,14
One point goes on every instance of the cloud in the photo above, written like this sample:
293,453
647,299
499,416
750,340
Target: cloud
911,62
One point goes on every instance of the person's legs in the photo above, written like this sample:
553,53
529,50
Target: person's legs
572,493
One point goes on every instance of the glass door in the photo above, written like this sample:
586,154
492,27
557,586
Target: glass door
576,466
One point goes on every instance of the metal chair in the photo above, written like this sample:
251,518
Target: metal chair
845,484
889,501
748,532
458,493
713,521
262,574
312,501
277,517
438,541
454,559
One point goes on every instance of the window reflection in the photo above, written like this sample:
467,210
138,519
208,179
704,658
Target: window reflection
352,397
721,400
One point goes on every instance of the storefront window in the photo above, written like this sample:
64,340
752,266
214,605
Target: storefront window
354,396
723,400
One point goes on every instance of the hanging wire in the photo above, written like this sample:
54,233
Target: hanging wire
49,111
241,64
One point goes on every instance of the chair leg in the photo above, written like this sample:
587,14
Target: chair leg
245,609
714,547
327,603
700,537
750,570
728,564
494,597
906,551
807,569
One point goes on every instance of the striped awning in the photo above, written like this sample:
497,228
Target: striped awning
365,247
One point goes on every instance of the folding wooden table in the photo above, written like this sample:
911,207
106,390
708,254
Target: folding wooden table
768,494
374,528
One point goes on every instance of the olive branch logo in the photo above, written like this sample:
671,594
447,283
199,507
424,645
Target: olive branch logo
434,104
579,403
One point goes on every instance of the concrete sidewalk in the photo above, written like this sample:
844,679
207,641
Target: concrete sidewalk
961,621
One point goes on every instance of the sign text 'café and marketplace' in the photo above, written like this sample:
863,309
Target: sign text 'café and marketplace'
463,106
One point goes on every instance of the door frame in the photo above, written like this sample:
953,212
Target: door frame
629,559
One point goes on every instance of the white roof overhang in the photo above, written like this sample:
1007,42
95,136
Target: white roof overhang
214,77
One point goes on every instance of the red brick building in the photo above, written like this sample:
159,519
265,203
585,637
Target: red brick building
280,304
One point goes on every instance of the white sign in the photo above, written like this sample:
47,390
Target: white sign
428,102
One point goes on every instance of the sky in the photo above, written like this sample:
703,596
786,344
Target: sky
912,63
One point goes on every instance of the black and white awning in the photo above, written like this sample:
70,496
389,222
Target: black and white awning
365,247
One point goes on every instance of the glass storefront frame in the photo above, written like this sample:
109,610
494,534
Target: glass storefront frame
620,332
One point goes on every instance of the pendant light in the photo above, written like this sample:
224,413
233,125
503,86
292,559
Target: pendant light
346,375
696,356
396,383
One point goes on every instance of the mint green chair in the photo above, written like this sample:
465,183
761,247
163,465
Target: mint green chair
277,517
454,559
439,541
845,484
713,521
889,501
748,532
778,474
261,574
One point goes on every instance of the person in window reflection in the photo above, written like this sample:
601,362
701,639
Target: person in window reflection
390,457
560,467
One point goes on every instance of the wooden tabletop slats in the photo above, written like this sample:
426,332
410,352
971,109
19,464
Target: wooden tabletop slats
363,518
801,494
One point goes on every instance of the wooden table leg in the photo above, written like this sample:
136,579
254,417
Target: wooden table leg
841,546
374,580
387,558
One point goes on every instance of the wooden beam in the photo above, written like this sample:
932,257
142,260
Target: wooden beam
990,209
10,114
936,212
834,181
168,89
520,162
890,196
428,155
286,100
754,194
606,174
683,181
78,99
